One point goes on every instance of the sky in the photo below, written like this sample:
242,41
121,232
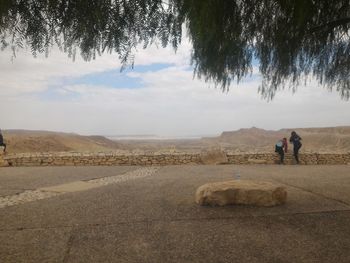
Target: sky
159,96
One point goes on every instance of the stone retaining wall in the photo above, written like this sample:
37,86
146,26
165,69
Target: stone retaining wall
72,158
305,158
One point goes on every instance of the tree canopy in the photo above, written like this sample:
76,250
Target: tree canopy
289,41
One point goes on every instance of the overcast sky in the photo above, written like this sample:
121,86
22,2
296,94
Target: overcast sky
158,97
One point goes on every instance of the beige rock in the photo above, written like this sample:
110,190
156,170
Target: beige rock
241,192
3,163
214,156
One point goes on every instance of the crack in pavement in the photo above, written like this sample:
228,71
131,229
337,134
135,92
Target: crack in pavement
69,246
155,220
314,193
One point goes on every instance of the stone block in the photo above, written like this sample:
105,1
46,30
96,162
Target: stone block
241,192
214,156
3,163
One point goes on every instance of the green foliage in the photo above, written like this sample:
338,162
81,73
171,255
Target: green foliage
290,41
93,27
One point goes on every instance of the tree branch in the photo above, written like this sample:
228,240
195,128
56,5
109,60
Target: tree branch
331,25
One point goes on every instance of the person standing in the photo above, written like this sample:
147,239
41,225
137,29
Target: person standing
2,141
285,144
295,139
280,148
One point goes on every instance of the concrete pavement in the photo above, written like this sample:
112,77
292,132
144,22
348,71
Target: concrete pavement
155,219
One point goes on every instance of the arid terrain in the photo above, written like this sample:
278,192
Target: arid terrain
330,139
21,141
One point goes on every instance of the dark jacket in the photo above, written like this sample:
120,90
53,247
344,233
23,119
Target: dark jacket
295,139
1,139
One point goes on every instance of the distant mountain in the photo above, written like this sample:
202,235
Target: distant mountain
329,139
21,141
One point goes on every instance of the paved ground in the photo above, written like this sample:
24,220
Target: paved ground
153,218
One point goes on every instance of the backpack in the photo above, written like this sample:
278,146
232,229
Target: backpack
279,144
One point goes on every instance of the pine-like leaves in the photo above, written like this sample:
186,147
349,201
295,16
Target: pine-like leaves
288,40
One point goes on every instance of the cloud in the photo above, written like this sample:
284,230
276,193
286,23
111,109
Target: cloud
25,74
35,95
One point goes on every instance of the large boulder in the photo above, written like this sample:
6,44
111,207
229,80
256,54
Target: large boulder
241,192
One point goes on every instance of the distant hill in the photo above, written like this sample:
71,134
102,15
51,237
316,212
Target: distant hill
330,139
21,141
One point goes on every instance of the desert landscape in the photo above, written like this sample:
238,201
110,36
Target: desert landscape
157,131
321,140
